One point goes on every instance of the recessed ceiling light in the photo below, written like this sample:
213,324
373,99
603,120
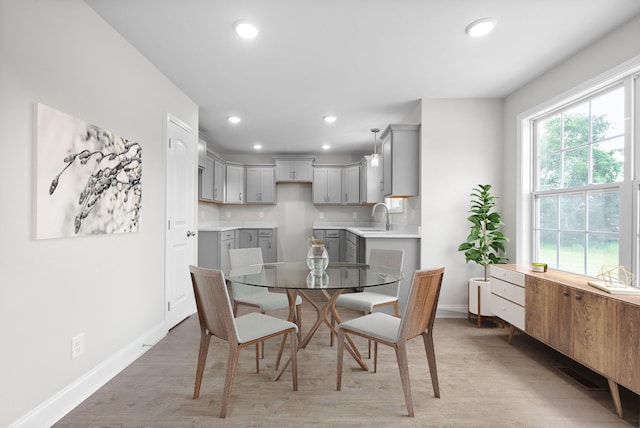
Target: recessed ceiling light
326,147
245,29
233,119
257,146
329,119
481,27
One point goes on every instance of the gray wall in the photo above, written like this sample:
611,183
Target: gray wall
109,287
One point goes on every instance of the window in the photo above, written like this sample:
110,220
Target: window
579,173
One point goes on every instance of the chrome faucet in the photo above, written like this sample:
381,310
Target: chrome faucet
386,208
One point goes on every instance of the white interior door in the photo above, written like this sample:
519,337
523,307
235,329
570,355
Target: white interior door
180,232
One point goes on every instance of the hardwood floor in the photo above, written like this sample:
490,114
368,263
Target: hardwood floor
484,382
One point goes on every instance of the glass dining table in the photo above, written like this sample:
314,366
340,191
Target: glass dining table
296,279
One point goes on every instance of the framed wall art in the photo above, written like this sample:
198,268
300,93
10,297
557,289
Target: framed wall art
89,180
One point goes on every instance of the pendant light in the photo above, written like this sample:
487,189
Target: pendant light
375,157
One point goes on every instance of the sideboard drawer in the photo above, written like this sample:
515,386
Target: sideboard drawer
508,311
508,291
507,275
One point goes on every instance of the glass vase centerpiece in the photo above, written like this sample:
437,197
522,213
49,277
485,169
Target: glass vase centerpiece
317,257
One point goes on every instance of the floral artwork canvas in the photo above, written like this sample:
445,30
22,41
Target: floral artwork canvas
89,180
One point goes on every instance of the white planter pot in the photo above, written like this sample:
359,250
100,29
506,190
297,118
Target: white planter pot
484,297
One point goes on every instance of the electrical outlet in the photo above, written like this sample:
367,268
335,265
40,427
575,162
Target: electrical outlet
77,346
355,214
261,214
321,215
228,213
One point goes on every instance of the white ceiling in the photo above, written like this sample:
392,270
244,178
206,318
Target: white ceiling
368,62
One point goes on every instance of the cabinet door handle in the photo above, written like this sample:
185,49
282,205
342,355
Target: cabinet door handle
578,297
565,293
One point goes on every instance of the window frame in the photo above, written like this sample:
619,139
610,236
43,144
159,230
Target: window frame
629,188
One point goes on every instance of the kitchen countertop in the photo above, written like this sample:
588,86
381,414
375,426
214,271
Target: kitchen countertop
373,230
221,226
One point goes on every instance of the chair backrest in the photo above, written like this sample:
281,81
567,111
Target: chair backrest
241,257
213,303
388,258
420,312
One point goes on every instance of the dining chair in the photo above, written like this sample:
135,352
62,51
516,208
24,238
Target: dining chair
216,319
258,297
417,320
375,297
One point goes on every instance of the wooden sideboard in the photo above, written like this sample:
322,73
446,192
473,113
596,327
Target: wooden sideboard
597,329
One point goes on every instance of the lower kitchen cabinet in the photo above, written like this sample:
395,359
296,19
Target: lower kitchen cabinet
332,240
265,239
213,249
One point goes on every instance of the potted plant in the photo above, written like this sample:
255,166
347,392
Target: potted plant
484,246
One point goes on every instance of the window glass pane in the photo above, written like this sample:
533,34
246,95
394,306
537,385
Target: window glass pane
571,252
603,250
549,135
548,247
575,126
547,209
576,171
549,172
572,212
608,161
604,212
607,115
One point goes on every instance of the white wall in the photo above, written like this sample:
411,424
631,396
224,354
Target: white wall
615,48
461,148
109,287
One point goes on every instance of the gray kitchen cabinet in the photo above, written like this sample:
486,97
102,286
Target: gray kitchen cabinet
332,241
370,182
265,239
213,249
219,178
205,179
400,160
327,185
294,170
202,153
353,244
351,185
235,184
260,185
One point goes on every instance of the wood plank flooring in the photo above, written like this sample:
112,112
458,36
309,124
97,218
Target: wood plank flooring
484,382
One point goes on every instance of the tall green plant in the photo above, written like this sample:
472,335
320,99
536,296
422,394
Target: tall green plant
485,243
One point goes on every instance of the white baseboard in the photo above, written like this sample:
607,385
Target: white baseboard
452,311
53,409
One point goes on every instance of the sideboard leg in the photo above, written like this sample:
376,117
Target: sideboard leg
615,394
512,330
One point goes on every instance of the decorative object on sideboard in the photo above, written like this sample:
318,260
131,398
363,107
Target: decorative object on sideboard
89,180
484,245
615,280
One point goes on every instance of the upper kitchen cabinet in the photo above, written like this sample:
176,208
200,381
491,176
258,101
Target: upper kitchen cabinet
202,153
235,184
400,160
205,179
219,180
370,182
294,170
351,185
327,185
260,184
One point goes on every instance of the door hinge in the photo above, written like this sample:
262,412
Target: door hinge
169,224
169,142
168,306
